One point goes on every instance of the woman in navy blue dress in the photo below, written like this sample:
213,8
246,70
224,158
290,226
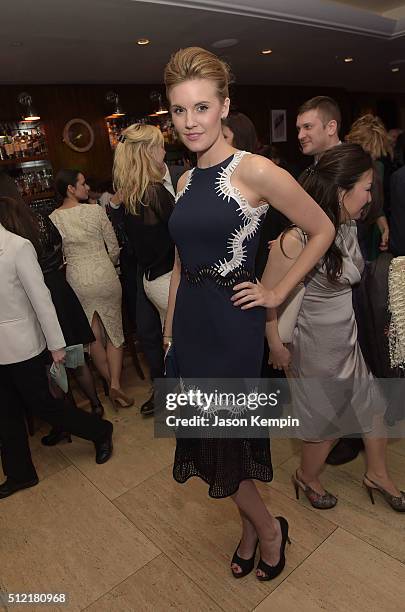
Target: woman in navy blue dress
215,225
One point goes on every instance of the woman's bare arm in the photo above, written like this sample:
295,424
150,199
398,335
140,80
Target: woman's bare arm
276,186
174,281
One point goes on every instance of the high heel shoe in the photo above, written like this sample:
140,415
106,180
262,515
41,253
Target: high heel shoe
317,500
246,565
97,409
272,571
119,399
397,502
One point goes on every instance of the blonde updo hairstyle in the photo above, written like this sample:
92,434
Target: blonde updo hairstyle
197,63
135,169
369,132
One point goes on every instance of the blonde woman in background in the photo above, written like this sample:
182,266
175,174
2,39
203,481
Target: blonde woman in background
369,132
143,182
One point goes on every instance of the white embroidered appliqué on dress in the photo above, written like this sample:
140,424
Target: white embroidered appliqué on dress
181,193
250,217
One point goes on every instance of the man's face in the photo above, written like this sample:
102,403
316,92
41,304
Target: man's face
314,137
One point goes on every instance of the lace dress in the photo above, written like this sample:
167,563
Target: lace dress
91,250
216,232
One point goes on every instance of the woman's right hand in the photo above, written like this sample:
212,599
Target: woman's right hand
279,357
116,199
58,356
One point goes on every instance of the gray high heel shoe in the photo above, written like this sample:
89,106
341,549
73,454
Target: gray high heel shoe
397,502
322,502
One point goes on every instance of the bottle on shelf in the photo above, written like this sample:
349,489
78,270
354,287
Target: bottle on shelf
3,155
9,147
18,142
33,183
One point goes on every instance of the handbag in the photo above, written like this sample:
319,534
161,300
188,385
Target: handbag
287,313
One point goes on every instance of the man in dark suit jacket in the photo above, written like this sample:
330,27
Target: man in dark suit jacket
397,235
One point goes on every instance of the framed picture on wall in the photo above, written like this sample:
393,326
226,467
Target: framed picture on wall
278,126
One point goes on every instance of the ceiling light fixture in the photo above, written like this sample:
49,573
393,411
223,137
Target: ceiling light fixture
349,60
267,51
395,69
143,41
113,98
30,113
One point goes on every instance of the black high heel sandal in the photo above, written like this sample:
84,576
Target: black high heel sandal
246,565
272,571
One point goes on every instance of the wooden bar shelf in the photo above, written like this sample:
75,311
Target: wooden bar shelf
38,196
22,160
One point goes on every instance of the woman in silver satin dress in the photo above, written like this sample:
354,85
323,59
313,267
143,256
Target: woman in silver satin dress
333,391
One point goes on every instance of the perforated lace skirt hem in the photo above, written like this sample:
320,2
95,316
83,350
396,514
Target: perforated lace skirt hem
223,464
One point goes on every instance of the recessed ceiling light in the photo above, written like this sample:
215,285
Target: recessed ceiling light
395,69
349,60
143,41
16,43
266,51
224,43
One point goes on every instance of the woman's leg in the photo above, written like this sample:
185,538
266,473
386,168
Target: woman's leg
376,461
313,455
257,523
97,350
114,358
85,380
248,540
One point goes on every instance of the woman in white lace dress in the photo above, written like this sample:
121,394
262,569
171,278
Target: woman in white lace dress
91,250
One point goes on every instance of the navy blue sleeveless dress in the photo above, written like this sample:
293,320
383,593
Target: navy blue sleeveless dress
216,233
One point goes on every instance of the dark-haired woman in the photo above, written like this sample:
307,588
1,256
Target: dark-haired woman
239,132
86,231
28,324
324,344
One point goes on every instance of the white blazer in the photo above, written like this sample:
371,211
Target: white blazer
28,320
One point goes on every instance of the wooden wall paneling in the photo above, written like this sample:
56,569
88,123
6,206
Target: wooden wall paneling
57,104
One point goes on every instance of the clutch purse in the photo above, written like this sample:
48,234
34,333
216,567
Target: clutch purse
287,313
59,376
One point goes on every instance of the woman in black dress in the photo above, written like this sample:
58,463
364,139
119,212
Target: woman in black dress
139,176
215,226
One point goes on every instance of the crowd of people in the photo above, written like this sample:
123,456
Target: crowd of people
191,246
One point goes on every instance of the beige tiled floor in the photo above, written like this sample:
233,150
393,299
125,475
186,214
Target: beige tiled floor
126,537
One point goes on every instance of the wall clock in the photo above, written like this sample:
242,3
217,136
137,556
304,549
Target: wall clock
78,135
